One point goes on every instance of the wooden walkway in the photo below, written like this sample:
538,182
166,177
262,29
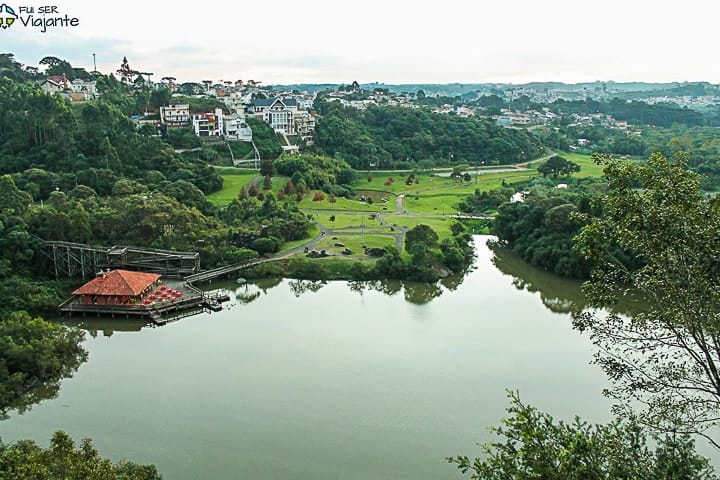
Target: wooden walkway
71,259
220,271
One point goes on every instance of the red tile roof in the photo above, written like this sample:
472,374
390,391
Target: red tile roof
118,282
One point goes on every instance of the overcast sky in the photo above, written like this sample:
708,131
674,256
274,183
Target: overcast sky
319,41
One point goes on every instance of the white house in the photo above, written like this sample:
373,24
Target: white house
176,115
279,113
208,124
235,128
84,88
55,84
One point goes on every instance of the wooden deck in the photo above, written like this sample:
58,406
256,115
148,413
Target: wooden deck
192,302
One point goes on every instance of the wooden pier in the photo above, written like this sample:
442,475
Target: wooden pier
194,301
74,259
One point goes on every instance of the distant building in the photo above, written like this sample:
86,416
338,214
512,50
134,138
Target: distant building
279,113
55,84
304,124
84,90
235,128
177,115
208,124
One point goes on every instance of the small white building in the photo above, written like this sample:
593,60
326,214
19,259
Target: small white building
55,84
235,128
85,88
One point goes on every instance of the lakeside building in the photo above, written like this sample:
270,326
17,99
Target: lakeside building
117,287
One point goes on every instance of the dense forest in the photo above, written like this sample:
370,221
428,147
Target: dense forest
405,138
635,112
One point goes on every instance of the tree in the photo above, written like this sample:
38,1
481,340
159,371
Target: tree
267,168
64,459
34,357
420,234
657,242
535,446
558,166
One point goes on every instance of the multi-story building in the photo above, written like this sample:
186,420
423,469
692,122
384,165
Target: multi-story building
208,124
235,128
176,115
279,113
304,124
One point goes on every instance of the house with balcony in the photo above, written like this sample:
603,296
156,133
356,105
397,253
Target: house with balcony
236,128
208,124
177,115
279,113
304,124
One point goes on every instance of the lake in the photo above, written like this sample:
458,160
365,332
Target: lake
319,381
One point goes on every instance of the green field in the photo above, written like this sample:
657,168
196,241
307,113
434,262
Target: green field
354,242
587,167
234,179
344,204
314,230
439,224
345,219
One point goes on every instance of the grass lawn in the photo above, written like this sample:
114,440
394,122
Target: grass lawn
314,230
354,242
232,184
433,203
344,204
234,179
587,167
346,219
439,224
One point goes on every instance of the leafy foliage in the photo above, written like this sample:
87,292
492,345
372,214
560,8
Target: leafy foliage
557,165
264,138
402,137
535,446
315,170
541,229
666,355
95,144
25,460
635,112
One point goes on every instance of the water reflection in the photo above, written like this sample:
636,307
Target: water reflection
413,292
299,287
103,325
558,294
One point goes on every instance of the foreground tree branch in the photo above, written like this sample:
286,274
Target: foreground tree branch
665,355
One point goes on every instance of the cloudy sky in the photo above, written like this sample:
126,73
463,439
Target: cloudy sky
319,41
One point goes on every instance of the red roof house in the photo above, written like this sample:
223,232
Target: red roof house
117,287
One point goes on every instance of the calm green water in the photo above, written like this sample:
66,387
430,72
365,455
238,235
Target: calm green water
308,381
